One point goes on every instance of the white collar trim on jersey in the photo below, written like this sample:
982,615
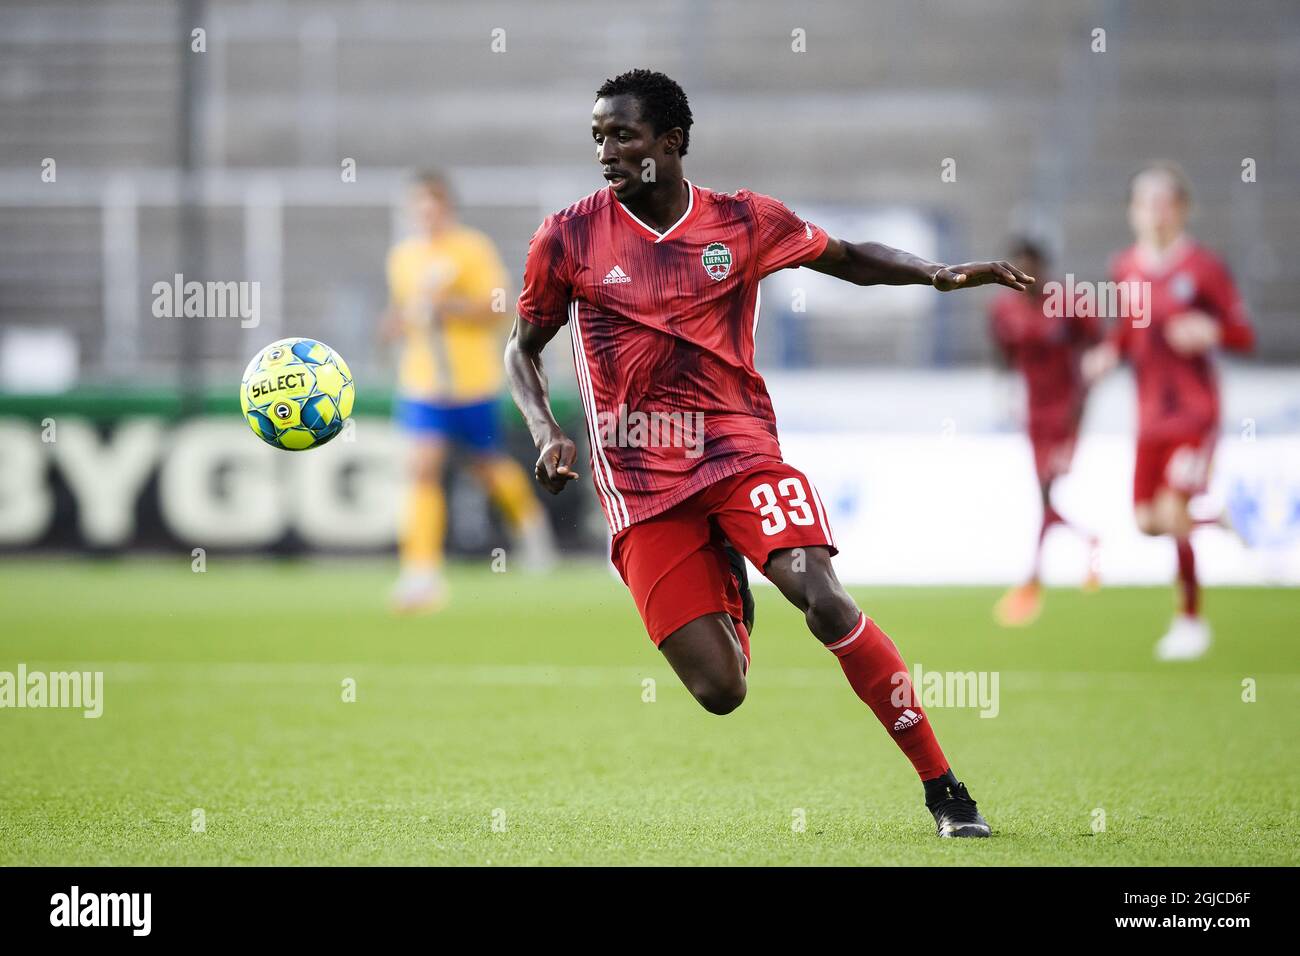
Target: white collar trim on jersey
1162,262
690,204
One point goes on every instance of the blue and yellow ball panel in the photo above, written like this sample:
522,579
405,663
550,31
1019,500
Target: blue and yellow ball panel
296,394
312,352
319,413
262,426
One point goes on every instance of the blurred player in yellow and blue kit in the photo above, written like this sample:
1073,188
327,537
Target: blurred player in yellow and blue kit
448,295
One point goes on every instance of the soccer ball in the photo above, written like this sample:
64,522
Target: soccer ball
296,394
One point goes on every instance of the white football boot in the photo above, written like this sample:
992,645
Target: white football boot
419,590
1187,639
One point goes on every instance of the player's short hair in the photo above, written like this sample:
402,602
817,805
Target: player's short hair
663,103
1171,170
1025,244
435,182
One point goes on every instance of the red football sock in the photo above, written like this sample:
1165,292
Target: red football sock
1050,517
744,641
1187,583
871,662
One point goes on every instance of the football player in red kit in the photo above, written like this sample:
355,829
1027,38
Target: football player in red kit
1046,348
1192,308
658,281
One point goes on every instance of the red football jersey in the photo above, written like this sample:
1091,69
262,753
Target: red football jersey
663,337
1046,349
1178,396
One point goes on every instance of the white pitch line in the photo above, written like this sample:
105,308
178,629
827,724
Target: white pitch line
576,675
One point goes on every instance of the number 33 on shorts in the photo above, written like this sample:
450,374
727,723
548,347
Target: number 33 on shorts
771,507
787,503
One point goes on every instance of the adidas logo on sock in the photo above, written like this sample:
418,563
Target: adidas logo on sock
616,275
909,718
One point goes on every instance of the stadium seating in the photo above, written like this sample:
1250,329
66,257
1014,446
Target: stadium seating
1042,129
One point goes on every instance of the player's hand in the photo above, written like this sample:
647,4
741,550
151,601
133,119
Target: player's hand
1192,333
555,463
971,274
1098,361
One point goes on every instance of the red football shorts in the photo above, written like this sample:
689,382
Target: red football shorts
1182,464
674,564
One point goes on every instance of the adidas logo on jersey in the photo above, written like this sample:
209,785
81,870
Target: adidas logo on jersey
616,275
908,718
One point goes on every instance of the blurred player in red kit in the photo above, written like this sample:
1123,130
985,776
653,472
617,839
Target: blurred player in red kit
1192,308
1046,346
658,281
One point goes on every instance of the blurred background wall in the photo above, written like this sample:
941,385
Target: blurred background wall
1043,131
225,154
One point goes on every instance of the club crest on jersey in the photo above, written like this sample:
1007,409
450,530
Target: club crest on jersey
1183,287
717,261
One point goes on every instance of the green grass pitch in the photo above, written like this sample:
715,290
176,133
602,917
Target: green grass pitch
511,728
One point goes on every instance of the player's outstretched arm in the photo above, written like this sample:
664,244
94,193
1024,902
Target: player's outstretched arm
528,387
873,263
1099,361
